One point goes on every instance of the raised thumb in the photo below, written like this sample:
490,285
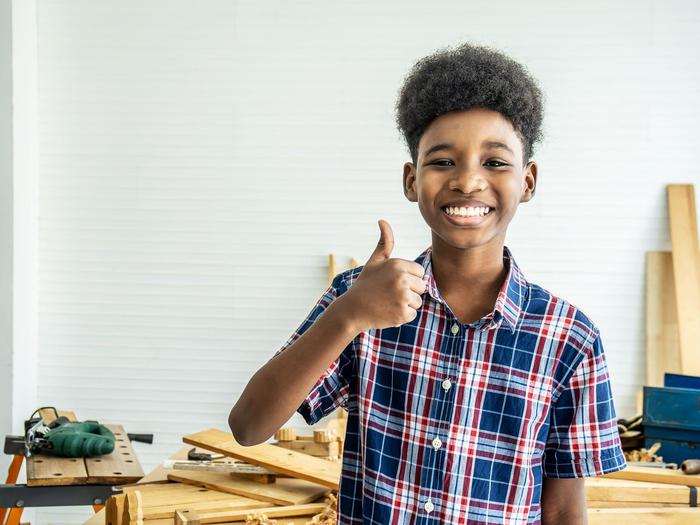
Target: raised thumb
386,243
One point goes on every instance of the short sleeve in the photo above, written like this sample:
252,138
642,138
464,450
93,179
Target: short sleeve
332,388
583,437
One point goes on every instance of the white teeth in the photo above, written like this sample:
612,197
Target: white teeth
467,211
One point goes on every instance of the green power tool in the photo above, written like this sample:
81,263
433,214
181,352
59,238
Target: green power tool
68,439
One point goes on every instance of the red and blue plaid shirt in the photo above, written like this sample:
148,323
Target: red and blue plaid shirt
455,423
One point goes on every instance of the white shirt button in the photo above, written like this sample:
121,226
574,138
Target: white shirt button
455,328
446,385
437,443
429,507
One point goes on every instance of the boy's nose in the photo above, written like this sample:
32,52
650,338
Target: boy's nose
467,179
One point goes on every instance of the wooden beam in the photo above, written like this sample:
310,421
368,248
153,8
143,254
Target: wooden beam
644,516
686,270
276,459
602,489
286,491
656,475
662,347
192,518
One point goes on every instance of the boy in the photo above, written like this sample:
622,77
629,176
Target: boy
473,395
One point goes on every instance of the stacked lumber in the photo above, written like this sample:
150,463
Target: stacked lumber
642,495
301,492
673,293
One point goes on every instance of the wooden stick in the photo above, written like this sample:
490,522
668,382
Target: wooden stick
656,475
644,516
686,270
191,518
662,349
296,464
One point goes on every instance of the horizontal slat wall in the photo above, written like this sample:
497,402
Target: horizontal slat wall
199,160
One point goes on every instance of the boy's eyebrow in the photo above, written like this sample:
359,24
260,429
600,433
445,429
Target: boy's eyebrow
494,144
489,144
438,147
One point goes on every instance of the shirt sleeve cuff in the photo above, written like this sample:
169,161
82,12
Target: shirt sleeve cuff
311,409
585,466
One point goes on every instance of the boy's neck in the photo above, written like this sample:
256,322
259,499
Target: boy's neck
475,275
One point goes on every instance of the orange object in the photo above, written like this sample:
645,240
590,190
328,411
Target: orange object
12,474
15,516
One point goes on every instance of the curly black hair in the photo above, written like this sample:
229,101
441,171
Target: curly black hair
465,77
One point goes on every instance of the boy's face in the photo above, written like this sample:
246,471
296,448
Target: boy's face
458,161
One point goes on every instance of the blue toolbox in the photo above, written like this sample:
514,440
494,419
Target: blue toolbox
672,417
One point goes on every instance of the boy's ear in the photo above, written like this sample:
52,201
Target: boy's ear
409,182
529,181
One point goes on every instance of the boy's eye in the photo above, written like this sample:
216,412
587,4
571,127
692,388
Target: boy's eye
492,163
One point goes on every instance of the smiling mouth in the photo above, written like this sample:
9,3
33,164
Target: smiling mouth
466,216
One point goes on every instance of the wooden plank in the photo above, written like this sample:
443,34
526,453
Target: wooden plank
644,516
295,464
228,503
49,416
44,471
156,475
114,509
165,493
686,269
601,489
594,504
310,447
193,518
119,467
662,347
286,491
656,475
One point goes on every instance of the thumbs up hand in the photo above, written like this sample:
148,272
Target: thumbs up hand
388,290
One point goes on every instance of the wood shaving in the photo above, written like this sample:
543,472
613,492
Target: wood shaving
329,516
647,455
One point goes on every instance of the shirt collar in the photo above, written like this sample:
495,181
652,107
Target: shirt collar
510,300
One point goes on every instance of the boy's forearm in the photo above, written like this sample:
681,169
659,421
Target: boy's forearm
279,387
563,501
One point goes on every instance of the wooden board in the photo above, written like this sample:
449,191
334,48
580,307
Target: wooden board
49,416
295,464
218,505
686,269
193,518
285,491
310,447
44,471
119,467
155,476
662,348
644,516
619,491
656,475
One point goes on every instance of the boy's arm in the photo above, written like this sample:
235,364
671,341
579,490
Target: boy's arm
276,390
563,501
386,293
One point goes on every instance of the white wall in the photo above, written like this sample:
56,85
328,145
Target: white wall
198,162
5,223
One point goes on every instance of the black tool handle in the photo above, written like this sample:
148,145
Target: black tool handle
143,438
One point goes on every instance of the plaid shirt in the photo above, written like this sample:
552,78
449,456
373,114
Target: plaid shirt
455,423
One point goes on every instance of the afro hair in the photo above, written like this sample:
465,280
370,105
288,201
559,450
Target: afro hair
465,77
